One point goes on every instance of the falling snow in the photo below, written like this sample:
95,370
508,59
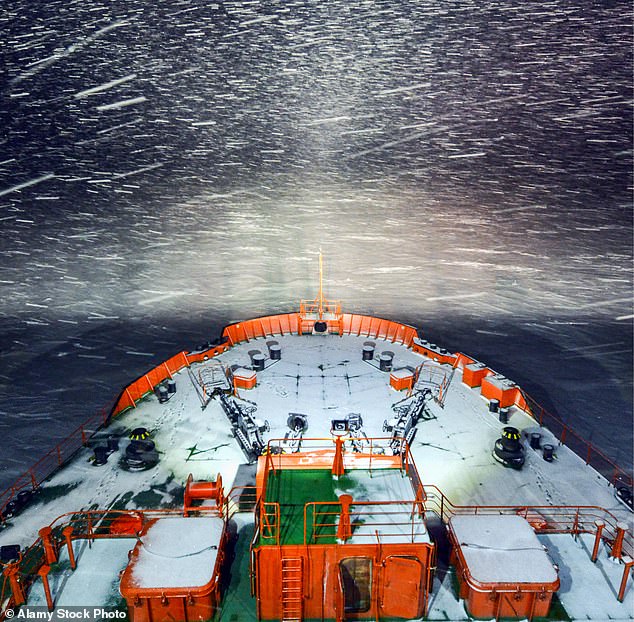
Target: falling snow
170,167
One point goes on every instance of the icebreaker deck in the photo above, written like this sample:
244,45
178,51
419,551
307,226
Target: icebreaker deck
335,409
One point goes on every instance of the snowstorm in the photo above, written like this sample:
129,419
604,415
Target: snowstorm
171,166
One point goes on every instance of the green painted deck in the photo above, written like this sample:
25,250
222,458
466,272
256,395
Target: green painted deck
293,489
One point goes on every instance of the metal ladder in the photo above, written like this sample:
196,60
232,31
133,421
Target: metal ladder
292,589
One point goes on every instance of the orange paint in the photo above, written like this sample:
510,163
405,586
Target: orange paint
474,373
244,378
401,381
178,604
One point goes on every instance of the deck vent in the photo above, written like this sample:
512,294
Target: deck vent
258,361
275,350
162,393
508,449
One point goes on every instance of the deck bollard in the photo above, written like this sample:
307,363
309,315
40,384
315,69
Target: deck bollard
68,532
43,572
50,553
617,546
597,538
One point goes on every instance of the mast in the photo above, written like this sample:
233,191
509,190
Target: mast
321,290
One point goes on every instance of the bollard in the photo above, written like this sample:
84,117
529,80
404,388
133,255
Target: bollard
50,553
597,539
68,532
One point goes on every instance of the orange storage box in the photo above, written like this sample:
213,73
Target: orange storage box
244,378
174,570
401,379
473,374
496,387
502,568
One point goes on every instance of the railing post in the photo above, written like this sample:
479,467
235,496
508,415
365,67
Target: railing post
626,573
589,453
617,545
68,532
597,538
50,553
11,571
563,435
43,572
344,529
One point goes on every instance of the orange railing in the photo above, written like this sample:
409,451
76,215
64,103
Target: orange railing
583,448
89,525
380,520
311,307
378,453
544,518
50,462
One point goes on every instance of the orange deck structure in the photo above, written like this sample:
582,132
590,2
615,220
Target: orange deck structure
321,554
244,378
502,568
401,379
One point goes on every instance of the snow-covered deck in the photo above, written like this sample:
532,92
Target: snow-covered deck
95,581
324,378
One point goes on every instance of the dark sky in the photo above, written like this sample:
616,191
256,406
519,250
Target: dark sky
169,166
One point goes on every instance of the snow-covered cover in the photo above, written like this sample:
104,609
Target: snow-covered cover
401,373
502,549
177,552
243,372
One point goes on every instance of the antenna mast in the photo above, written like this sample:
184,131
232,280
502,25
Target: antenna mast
321,290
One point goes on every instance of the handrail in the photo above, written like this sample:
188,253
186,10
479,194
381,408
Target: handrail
544,518
605,466
282,324
236,502
406,513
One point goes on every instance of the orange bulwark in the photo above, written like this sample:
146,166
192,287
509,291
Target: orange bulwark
320,554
